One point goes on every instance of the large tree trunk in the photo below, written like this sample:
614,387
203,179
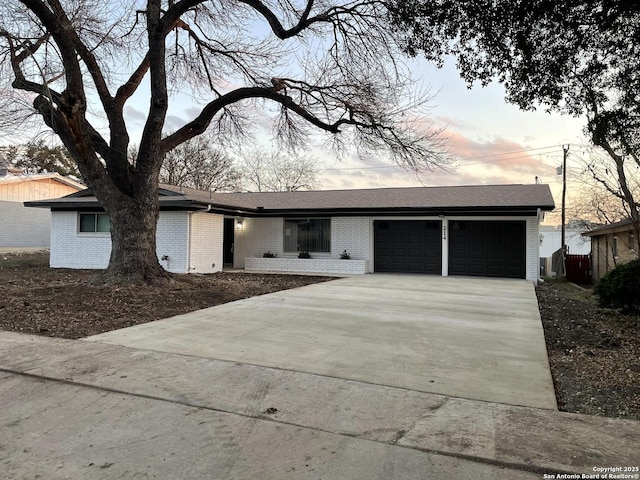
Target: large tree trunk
133,237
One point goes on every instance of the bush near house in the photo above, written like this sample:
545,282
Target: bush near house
620,287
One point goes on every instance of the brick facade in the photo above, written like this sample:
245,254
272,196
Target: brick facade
188,242
193,242
354,234
610,250
206,235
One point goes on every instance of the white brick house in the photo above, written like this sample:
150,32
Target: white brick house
470,230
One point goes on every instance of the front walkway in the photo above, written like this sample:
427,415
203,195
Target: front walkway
473,338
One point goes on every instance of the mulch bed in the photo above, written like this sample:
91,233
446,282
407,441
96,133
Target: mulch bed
61,303
594,353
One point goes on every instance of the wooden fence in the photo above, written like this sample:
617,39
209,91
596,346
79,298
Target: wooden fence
578,269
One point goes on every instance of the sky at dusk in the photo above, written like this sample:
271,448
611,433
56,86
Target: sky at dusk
492,142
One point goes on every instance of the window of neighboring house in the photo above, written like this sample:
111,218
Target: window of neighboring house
307,235
93,222
614,246
632,242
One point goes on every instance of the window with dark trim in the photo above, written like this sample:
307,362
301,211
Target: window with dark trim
307,235
631,242
93,223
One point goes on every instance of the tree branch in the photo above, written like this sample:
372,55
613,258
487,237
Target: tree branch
202,121
277,27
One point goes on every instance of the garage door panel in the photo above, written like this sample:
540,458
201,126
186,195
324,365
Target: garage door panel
476,254
487,248
424,253
412,246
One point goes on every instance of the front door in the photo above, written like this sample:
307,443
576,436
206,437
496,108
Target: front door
228,241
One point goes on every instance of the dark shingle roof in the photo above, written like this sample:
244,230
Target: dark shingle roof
482,198
528,196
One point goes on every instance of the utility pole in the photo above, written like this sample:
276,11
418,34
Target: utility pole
565,154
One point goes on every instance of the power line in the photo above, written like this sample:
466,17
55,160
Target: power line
464,162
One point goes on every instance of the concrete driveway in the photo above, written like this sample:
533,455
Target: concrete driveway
478,339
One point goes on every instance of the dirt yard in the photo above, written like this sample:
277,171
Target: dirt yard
594,353
60,303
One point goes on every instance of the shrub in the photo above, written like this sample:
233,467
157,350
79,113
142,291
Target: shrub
620,288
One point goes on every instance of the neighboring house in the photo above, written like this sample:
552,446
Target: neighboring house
25,227
551,240
612,245
469,230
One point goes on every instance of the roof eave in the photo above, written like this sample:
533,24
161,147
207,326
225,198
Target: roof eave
397,211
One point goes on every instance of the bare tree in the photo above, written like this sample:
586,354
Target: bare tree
264,171
196,164
615,183
594,205
81,61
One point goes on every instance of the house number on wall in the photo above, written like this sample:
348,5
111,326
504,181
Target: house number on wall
444,232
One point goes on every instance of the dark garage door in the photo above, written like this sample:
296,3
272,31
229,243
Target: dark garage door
412,246
487,248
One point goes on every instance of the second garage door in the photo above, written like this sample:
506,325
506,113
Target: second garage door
412,246
487,248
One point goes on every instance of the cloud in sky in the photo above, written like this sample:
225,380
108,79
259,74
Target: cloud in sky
495,161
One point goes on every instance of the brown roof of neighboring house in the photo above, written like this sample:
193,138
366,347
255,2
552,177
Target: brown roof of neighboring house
434,200
621,226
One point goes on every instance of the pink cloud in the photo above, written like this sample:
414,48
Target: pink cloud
492,162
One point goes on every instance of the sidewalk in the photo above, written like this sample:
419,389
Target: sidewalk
75,409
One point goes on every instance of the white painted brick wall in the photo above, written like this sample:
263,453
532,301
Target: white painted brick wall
70,249
312,265
351,234
22,226
207,231
257,236
172,239
533,249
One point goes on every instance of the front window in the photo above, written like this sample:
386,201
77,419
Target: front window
94,222
307,235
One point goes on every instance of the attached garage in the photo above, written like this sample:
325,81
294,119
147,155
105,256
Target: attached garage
412,246
487,248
